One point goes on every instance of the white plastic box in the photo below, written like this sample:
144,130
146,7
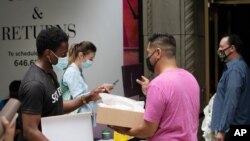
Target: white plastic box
76,127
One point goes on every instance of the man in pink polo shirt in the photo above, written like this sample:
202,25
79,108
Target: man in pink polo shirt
172,104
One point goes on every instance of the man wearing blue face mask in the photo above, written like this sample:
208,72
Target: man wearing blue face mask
60,67
73,83
62,63
39,91
231,104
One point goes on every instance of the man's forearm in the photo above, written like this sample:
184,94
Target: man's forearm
35,135
136,132
228,112
71,105
139,132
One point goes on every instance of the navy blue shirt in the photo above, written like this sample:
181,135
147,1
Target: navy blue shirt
232,101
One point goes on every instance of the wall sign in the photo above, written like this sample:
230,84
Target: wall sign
95,20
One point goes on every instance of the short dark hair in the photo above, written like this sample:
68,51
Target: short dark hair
235,40
166,41
13,88
14,85
50,38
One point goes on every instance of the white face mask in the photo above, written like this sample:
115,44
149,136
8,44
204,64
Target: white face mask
87,64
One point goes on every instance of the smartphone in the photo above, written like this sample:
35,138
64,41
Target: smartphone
114,83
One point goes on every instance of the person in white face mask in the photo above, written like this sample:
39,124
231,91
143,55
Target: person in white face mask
73,85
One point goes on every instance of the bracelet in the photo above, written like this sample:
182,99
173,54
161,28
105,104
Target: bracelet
84,101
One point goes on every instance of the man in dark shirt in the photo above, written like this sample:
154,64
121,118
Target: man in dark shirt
39,91
231,104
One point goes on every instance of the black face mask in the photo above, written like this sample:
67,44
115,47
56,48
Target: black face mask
222,55
149,65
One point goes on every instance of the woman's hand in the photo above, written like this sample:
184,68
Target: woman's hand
94,94
108,87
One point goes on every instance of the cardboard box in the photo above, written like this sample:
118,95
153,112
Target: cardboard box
118,117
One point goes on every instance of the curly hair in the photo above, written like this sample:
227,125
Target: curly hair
50,38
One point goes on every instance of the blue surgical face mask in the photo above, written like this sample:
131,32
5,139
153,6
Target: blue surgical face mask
87,64
62,63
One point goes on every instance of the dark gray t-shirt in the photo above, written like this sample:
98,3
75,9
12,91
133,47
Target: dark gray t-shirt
40,93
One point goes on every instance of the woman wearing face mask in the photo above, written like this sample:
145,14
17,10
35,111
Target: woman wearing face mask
73,85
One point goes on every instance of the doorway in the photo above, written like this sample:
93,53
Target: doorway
224,18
